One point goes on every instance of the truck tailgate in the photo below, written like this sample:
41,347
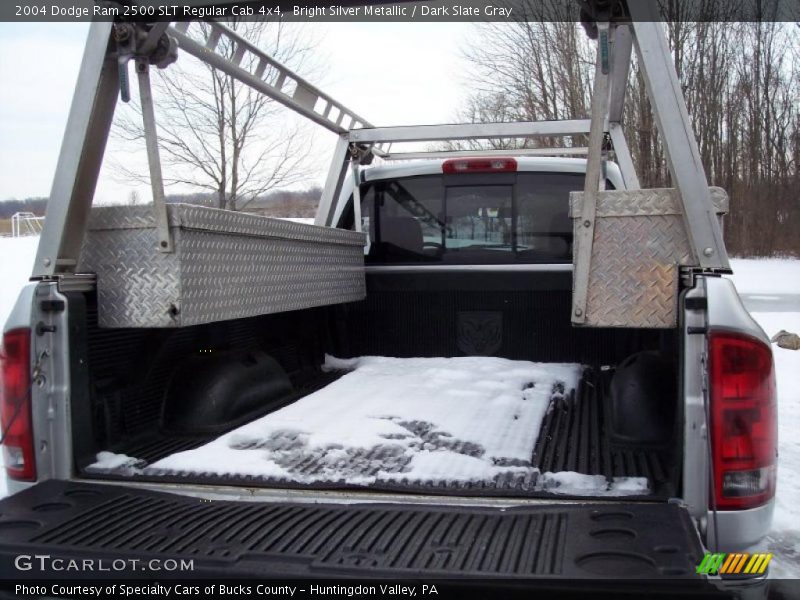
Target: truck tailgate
237,538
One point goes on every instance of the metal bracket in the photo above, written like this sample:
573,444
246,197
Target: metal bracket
363,154
360,155
147,45
356,154
125,39
623,155
356,170
153,158
594,168
81,155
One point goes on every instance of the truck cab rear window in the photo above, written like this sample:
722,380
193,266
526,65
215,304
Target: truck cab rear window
522,218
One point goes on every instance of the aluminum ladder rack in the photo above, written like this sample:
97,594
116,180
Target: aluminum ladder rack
110,46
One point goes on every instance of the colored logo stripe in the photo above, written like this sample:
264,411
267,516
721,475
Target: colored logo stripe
734,563
711,563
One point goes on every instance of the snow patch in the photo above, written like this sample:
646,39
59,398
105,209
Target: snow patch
107,461
579,484
466,419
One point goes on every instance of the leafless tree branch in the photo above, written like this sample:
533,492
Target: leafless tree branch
215,133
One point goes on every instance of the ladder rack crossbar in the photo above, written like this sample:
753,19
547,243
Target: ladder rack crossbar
265,74
565,151
470,131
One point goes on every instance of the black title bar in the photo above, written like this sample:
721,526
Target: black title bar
349,11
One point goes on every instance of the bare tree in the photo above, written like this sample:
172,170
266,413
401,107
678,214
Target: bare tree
219,135
741,86
536,68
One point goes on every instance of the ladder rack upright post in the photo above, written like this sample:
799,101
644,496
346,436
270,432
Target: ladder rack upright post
81,155
672,117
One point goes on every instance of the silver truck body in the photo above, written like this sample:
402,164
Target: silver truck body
735,530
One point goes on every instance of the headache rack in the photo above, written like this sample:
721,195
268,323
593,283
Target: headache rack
142,257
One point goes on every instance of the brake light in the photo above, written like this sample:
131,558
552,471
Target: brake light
479,165
743,420
15,405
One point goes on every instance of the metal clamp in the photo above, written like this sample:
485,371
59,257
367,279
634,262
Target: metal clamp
137,42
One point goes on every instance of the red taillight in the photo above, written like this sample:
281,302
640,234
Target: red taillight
479,165
15,405
743,420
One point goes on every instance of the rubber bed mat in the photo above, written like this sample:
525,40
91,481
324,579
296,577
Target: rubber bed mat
572,437
256,539
153,446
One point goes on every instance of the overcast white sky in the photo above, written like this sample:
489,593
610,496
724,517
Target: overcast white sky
390,73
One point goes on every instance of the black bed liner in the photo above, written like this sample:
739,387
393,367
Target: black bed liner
573,437
154,445
258,539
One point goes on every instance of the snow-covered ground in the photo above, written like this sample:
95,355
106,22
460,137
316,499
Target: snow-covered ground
774,286
770,287
767,276
784,540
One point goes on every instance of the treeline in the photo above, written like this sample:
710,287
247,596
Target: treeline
279,203
8,208
741,86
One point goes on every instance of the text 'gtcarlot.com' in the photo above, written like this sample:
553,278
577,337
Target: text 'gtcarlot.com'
45,562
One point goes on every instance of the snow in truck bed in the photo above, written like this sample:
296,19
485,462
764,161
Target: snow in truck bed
424,421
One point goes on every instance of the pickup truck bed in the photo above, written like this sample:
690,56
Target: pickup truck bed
131,375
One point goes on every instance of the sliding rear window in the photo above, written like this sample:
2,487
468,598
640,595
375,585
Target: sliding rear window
500,218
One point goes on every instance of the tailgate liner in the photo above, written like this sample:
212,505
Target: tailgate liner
238,538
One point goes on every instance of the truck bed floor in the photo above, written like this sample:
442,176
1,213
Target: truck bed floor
153,446
573,437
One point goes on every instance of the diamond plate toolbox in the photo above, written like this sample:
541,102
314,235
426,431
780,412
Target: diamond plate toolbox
640,243
226,265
